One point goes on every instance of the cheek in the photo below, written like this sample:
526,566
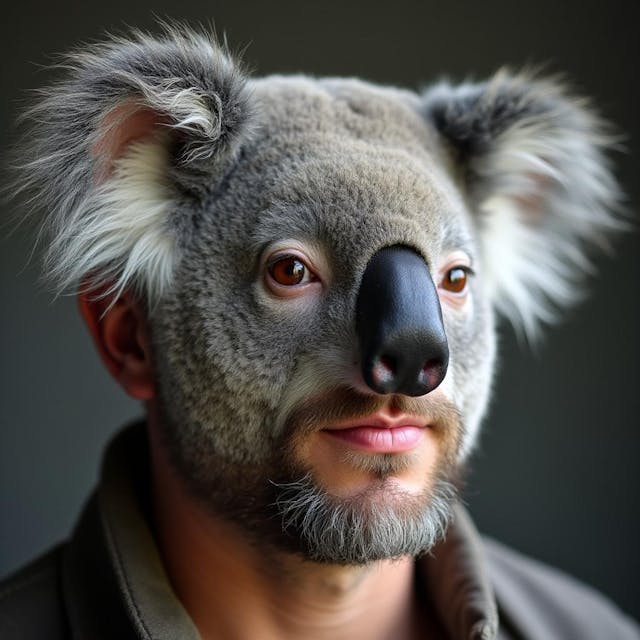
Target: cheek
222,377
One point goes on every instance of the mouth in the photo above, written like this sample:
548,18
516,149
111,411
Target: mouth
380,434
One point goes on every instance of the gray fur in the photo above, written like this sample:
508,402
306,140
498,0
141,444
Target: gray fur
342,168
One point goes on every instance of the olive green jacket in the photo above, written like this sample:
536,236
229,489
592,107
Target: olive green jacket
108,580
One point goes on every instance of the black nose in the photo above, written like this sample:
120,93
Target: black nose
403,346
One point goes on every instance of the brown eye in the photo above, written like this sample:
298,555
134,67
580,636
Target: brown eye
289,271
455,280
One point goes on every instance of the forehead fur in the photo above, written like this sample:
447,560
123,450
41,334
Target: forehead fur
344,162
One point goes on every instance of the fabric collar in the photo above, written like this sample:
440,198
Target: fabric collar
113,576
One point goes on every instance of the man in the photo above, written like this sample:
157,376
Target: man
298,278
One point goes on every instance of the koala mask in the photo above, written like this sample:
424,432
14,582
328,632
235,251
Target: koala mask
313,252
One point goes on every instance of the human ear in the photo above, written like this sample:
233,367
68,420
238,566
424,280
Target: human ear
120,332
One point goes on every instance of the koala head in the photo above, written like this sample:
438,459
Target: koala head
313,252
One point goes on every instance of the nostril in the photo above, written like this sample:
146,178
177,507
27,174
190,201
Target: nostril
429,373
397,373
384,370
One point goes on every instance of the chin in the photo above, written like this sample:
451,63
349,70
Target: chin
382,522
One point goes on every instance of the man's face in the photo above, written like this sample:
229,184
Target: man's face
263,404
332,497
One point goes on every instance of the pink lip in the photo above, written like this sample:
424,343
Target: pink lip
379,434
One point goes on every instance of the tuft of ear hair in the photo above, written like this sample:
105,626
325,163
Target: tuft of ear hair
134,125
532,162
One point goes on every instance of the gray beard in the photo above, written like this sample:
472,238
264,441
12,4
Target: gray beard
300,518
358,530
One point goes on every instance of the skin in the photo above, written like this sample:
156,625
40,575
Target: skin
281,594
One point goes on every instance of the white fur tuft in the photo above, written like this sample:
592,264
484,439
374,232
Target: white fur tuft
554,196
118,235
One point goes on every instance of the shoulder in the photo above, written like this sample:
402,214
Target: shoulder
541,602
31,603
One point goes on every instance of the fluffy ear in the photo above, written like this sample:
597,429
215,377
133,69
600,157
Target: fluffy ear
136,128
530,159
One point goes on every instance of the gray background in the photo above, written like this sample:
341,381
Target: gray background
557,473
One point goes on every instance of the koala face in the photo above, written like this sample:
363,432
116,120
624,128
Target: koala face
297,243
350,170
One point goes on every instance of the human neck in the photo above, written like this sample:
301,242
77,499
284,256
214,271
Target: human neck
230,588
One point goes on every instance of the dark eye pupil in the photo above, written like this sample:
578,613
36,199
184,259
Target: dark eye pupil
287,271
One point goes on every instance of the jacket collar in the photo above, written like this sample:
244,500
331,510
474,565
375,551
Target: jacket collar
115,585
457,580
